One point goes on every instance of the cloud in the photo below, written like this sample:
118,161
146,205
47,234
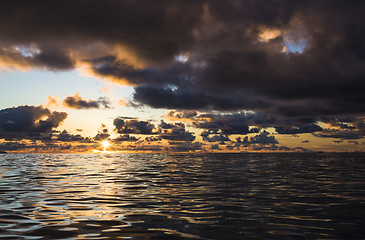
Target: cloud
32,129
214,147
77,102
181,115
29,120
215,138
52,102
153,139
242,123
103,133
332,133
175,132
232,52
67,137
170,96
226,124
42,40
343,129
223,124
263,141
28,57
243,66
262,138
229,67
168,131
125,138
163,137
133,126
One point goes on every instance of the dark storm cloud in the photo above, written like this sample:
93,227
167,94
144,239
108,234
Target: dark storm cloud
214,147
52,59
228,67
154,31
64,136
343,134
343,128
226,124
168,131
13,146
262,138
133,126
125,138
29,120
175,132
78,103
248,122
215,138
181,115
260,142
178,73
165,125
185,98
32,128
153,139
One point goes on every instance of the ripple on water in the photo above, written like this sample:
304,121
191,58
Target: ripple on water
182,196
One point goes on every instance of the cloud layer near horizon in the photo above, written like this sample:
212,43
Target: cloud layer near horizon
34,128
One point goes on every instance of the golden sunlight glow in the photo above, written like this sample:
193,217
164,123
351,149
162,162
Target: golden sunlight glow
105,144
267,35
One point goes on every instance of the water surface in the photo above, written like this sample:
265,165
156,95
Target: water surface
182,196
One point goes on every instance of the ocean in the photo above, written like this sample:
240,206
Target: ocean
182,196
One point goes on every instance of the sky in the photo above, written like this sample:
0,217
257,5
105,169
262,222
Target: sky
182,76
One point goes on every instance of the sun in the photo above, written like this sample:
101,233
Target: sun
105,144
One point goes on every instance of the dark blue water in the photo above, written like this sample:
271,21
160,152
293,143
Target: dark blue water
184,196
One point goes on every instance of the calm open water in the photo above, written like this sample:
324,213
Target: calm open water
183,196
